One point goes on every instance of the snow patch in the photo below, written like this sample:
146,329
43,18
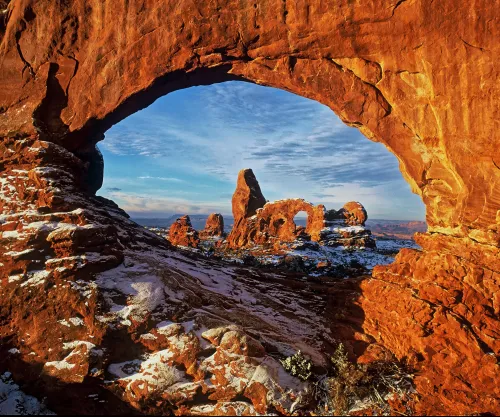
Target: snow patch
13,401
36,278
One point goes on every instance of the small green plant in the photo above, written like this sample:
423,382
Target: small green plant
298,365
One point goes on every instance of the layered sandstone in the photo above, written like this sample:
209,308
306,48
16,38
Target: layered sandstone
214,227
247,197
418,76
353,213
182,233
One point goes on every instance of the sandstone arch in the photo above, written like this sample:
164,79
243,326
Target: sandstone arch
315,216
346,59
273,223
418,76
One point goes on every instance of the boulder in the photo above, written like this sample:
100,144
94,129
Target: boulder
353,214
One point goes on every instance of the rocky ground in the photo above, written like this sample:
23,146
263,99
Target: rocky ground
308,257
175,341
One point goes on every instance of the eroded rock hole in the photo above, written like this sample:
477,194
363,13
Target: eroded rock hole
185,167
300,222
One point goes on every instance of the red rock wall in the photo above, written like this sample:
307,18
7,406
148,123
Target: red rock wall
444,311
418,76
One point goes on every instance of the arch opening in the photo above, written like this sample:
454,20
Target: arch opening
191,144
300,220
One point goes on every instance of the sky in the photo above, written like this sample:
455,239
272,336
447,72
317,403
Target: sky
182,155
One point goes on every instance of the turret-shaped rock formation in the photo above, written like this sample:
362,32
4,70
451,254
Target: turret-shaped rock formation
182,233
259,222
214,227
247,197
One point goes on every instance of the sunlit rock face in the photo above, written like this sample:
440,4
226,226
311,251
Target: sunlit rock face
259,222
214,227
353,213
182,233
247,197
418,76
272,223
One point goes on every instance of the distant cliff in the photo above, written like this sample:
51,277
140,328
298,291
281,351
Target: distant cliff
395,229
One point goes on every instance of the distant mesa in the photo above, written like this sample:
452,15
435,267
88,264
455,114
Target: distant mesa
182,233
397,229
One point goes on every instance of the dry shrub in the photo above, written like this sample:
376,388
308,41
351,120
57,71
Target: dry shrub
350,387
165,376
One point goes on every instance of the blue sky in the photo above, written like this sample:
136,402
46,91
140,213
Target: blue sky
182,155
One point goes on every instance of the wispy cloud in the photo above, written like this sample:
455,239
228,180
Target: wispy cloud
297,147
170,179
146,205
323,195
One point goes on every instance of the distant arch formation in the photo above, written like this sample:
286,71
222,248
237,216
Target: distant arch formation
274,221
418,76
